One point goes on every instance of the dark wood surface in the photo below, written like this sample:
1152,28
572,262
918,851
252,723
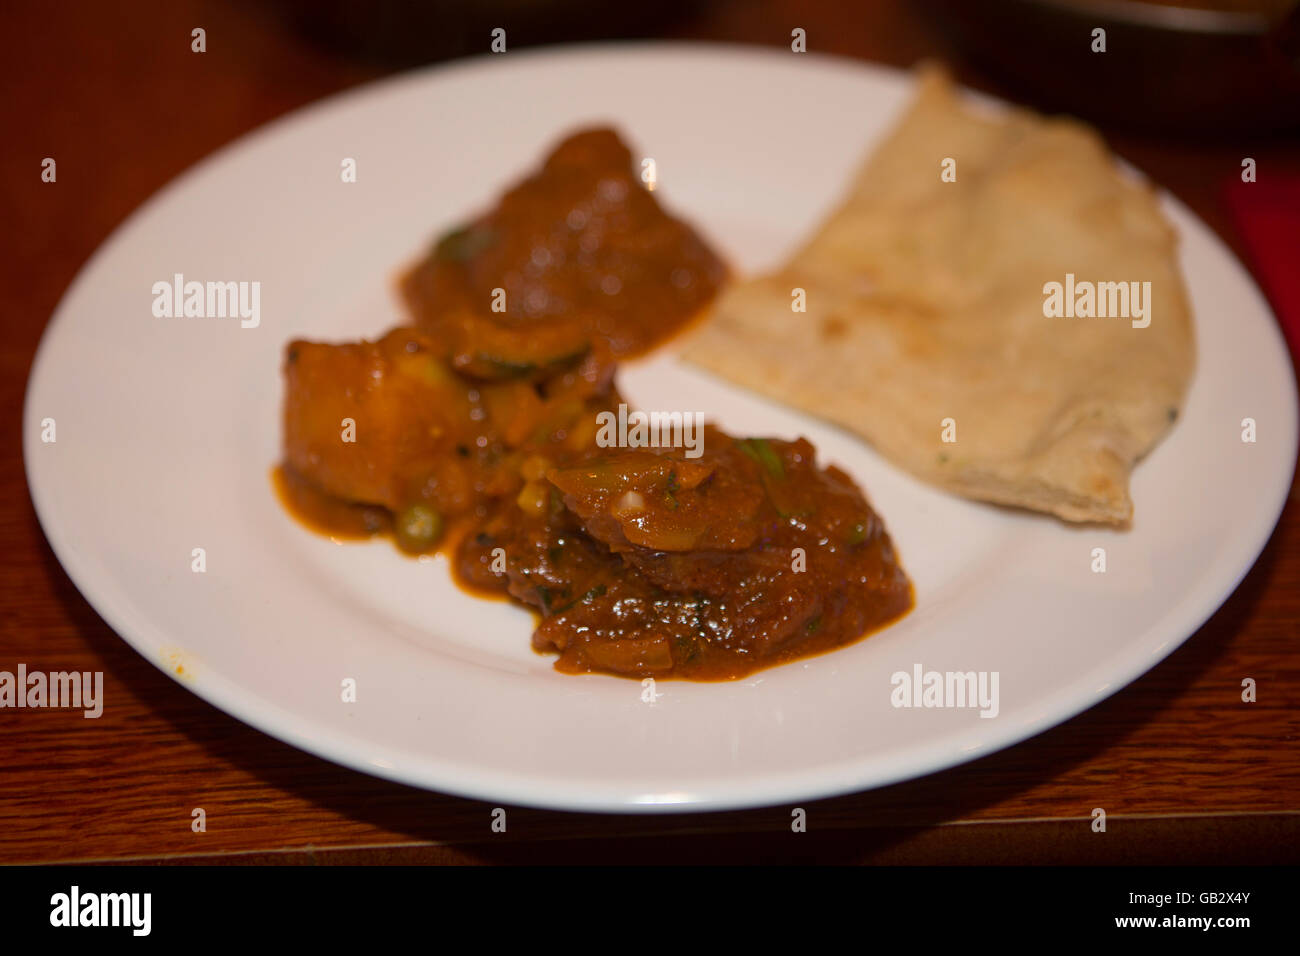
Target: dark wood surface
1184,769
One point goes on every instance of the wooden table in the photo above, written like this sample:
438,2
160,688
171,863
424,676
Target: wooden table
1185,770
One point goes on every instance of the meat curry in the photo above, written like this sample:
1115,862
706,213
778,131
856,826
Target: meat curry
475,431
576,254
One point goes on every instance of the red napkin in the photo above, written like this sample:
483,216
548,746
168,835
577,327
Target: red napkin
1267,214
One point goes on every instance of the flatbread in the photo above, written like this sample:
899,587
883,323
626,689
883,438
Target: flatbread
925,315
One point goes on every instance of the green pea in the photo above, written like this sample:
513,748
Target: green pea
417,528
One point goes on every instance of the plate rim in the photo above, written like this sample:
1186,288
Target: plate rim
782,787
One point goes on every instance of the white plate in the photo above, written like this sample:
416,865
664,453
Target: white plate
167,430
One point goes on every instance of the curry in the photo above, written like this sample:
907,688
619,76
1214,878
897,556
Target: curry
578,254
647,563
474,432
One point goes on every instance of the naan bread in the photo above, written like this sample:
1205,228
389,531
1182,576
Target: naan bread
925,302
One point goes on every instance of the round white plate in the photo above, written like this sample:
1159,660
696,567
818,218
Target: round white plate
167,429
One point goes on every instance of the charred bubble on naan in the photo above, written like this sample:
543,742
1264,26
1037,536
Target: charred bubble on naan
926,328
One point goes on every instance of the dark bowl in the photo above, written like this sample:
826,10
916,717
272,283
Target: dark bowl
397,33
1166,67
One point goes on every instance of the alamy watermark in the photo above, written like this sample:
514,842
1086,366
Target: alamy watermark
208,300
922,688
75,908
82,690
1102,300
651,430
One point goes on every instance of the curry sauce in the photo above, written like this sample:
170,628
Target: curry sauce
475,431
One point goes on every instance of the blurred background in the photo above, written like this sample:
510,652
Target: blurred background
1176,64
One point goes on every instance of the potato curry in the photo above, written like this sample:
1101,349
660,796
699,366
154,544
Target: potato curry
475,431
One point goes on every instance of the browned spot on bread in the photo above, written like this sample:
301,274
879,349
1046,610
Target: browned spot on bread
833,327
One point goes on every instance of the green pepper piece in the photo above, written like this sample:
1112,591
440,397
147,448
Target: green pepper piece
463,244
761,451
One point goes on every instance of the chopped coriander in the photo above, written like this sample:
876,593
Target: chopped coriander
761,451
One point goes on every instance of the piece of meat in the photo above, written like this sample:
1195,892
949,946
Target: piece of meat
658,499
578,255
